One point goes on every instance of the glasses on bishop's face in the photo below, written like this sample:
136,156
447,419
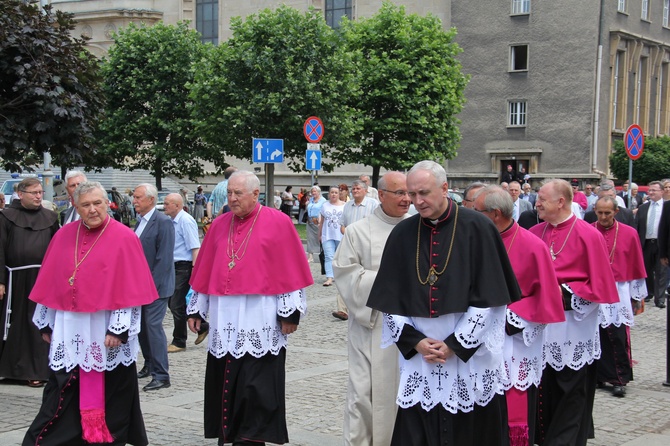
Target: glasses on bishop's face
397,193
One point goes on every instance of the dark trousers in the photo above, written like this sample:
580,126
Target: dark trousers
656,272
565,405
177,303
153,340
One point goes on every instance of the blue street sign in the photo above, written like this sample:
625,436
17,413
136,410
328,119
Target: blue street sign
267,150
313,159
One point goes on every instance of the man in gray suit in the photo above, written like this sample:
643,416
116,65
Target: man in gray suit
156,232
72,179
519,205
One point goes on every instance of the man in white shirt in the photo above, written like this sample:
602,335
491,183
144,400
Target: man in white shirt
371,192
519,205
72,179
648,219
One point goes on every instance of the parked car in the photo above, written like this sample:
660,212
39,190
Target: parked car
160,201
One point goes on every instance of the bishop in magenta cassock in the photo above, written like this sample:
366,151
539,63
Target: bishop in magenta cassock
92,326
249,282
625,257
541,304
578,253
444,283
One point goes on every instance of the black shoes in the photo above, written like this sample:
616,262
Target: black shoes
619,391
660,305
143,373
156,384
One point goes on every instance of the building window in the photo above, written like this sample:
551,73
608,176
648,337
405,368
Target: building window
520,6
618,104
517,114
622,6
518,58
335,10
207,20
645,9
663,97
642,99
666,13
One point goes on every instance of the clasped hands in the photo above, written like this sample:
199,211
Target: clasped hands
433,351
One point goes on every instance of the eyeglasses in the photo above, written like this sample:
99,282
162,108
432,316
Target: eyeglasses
397,193
482,210
34,193
469,201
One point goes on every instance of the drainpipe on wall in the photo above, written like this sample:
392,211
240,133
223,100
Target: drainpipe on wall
596,119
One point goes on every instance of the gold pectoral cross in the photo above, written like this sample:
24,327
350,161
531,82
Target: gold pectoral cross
432,276
71,280
231,264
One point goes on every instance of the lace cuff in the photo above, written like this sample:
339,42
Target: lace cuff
44,316
125,319
515,320
392,328
199,304
582,307
482,325
287,303
638,289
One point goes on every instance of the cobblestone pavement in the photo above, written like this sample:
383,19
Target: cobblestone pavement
316,385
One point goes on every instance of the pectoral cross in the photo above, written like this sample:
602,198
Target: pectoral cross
439,375
475,322
71,280
77,340
231,264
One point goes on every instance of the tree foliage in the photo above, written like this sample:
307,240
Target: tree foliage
654,164
279,68
147,123
412,89
50,95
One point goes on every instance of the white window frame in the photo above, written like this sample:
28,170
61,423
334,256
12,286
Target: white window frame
666,13
517,113
622,6
645,10
512,59
520,7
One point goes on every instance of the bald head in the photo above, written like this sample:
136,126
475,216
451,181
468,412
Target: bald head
393,196
173,204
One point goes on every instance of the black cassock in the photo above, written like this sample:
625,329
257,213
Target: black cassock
478,274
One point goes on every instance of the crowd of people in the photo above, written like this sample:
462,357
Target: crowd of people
449,329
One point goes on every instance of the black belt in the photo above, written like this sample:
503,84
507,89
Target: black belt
652,240
183,262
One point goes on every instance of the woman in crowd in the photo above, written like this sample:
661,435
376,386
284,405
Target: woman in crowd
329,230
344,192
287,201
199,201
313,213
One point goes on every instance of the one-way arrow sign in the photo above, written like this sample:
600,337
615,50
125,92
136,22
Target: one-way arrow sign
313,159
267,150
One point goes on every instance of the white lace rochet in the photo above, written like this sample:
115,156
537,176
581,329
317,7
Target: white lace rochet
622,311
78,339
456,385
576,341
246,324
523,353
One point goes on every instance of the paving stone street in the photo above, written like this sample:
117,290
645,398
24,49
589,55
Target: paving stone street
316,386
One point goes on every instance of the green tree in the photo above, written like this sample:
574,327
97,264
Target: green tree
147,123
654,164
412,89
50,93
279,68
